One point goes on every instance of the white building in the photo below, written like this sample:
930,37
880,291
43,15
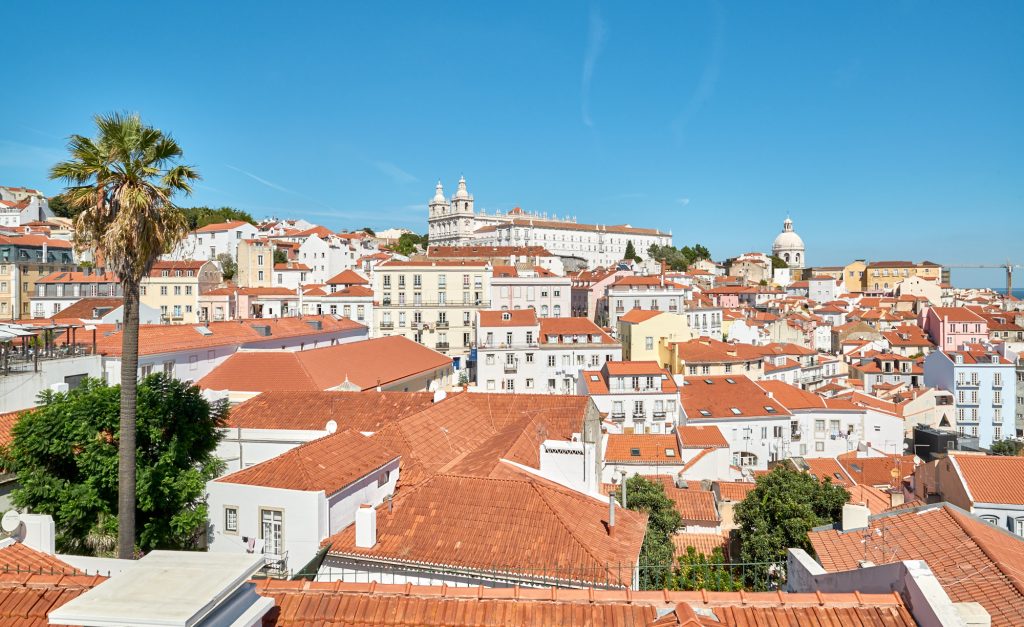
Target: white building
822,288
637,396
456,222
290,275
648,293
518,352
531,287
21,205
209,241
983,383
286,506
327,256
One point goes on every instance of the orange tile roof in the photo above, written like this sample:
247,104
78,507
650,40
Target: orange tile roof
84,308
707,398
155,339
698,436
79,277
516,318
631,368
519,523
34,240
823,468
649,449
365,412
734,490
791,396
876,500
974,561
470,433
487,251
634,316
221,226
992,478
704,543
565,328
439,263
365,364
955,314
290,265
27,599
338,604
7,422
878,470
705,349
17,557
353,291
329,464
347,277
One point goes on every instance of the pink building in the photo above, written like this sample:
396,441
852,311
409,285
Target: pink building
952,327
589,289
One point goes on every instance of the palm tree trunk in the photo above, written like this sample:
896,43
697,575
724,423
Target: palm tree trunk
126,447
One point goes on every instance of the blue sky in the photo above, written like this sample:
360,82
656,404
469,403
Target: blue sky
885,129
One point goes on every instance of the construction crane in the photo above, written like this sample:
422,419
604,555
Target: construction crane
1008,266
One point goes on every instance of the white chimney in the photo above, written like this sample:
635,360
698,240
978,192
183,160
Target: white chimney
366,526
855,516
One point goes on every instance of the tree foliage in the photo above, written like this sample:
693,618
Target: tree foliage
1008,448
663,520
678,258
631,252
61,208
369,231
779,512
778,262
697,571
122,183
280,256
198,217
409,243
65,455
228,267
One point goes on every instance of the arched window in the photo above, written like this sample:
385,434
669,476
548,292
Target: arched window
786,257
798,257
544,310
1018,526
557,311
990,519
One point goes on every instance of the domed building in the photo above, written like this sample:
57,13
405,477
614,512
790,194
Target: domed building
788,246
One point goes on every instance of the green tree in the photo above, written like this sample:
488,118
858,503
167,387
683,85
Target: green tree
777,514
198,217
228,267
663,520
280,256
676,258
409,243
697,571
1008,448
778,263
631,252
60,207
123,182
369,231
65,455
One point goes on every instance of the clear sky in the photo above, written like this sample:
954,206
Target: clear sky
885,129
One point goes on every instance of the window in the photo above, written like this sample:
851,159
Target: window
163,290
551,361
529,384
819,446
990,519
382,480
271,531
649,343
230,519
1018,526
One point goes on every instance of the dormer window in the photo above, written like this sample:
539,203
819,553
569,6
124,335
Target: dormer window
506,316
634,452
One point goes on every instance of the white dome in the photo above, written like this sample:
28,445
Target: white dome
788,240
438,195
462,193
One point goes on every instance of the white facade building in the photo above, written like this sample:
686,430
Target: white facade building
519,353
208,242
637,396
983,384
21,205
648,293
456,222
531,287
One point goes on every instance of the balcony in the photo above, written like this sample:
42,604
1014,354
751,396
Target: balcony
441,346
618,416
387,325
659,414
442,324
509,368
796,436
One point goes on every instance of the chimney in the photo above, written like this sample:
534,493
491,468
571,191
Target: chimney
896,497
366,526
611,515
770,394
855,516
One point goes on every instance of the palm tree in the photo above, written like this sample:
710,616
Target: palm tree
122,183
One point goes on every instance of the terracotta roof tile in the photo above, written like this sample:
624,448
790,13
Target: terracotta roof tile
517,524
698,436
704,543
514,318
329,464
647,448
992,478
708,398
347,277
878,470
634,316
365,365
974,561
791,396
366,412
565,328
734,491
221,226
86,308
823,468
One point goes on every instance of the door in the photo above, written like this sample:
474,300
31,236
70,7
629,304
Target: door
271,526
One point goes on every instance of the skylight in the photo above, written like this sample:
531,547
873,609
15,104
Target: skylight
670,452
705,412
635,452
735,411
593,377
729,380
769,409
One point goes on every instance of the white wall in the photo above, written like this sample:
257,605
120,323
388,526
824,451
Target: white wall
19,390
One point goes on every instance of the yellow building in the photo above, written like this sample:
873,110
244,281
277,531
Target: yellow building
24,259
885,276
853,276
173,288
645,334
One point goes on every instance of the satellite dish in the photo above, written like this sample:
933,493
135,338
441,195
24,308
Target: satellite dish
10,521
332,426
